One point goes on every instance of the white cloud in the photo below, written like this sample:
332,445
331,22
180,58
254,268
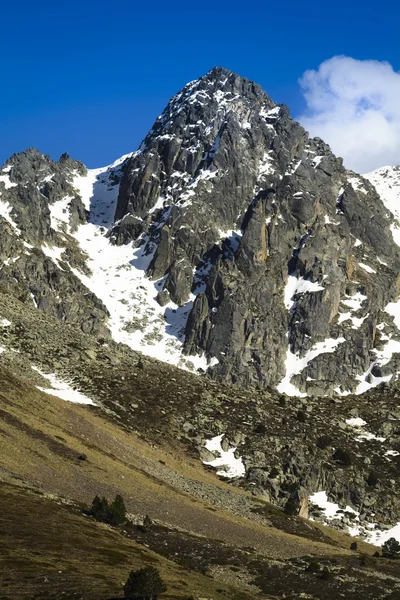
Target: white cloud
354,105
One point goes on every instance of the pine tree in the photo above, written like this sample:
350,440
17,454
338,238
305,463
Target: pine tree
391,548
291,508
116,514
144,584
96,503
99,508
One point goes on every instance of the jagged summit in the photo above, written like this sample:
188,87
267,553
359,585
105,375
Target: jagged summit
251,244
186,135
32,166
242,211
219,72
220,91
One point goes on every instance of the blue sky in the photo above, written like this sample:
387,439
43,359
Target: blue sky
90,77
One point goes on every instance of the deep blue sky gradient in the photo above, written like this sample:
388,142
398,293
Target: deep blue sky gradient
89,78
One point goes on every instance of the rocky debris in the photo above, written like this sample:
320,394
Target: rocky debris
77,213
289,459
163,298
130,227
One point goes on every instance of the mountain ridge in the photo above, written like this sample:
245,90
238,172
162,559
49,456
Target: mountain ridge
226,194
163,263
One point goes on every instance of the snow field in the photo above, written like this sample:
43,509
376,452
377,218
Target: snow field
367,531
118,275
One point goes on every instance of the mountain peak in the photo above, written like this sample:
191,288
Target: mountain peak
220,78
31,154
227,189
218,72
187,135
239,207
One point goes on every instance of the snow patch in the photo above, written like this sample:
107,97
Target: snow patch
356,321
118,277
54,253
6,180
364,530
393,309
295,287
356,422
33,300
62,389
357,184
378,538
266,165
329,222
5,212
367,435
330,508
387,183
59,213
272,113
355,302
228,465
367,268
295,364
317,161
369,381
232,237
293,168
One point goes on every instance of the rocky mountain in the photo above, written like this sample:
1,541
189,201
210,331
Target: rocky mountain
290,256
230,244
230,238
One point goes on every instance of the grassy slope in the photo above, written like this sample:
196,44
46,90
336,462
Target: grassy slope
42,439
134,445
50,550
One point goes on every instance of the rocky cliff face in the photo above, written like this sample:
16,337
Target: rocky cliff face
285,259
36,257
230,236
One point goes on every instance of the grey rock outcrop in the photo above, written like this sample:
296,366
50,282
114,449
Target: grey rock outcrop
268,230
281,263
29,267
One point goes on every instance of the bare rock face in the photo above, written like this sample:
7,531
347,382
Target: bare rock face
30,269
290,257
284,262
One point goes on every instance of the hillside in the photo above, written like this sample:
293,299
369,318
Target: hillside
209,327
57,455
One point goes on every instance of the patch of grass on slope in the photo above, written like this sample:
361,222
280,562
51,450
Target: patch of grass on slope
50,550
